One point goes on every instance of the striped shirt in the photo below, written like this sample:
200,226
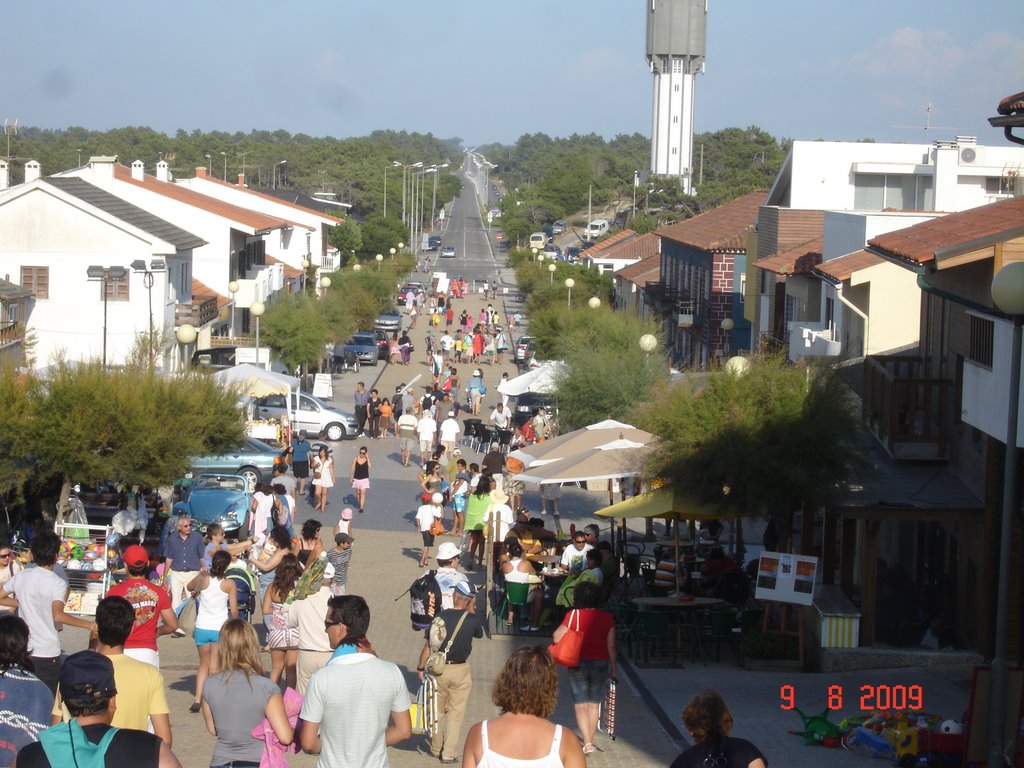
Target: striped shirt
339,558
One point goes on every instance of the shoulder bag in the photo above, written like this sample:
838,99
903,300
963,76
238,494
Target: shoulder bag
437,660
567,650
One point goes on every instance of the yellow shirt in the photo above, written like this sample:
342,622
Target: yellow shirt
140,693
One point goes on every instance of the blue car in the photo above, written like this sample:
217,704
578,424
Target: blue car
364,345
223,499
252,459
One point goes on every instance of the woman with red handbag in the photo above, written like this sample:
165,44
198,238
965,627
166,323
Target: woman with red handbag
596,630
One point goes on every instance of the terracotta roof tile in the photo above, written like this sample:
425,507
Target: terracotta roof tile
249,218
844,267
642,272
959,232
723,228
273,199
638,247
610,242
795,260
202,292
289,272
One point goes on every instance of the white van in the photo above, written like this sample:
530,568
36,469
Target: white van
538,240
596,228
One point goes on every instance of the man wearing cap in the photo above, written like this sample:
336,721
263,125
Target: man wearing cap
339,558
143,699
454,686
88,689
424,520
476,381
450,432
299,452
447,573
357,705
39,595
308,617
154,615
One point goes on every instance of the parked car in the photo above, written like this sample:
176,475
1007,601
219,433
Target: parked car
552,251
527,402
252,459
218,498
433,242
559,227
311,414
448,252
549,231
365,346
404,291
390,320
525,351
499,236
572,253
382,343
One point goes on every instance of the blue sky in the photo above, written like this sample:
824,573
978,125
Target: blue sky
490,70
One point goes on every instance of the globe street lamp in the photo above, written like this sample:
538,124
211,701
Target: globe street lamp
392,252
1008,296
185,334
379,258
401,246
356,267
233,289
569,283
648,342
594,302
551,270
727,326
256,309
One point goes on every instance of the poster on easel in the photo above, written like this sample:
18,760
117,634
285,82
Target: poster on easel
786,578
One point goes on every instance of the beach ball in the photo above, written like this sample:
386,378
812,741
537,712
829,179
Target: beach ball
74,565
951,726
65,549
99,565
113,540
77,552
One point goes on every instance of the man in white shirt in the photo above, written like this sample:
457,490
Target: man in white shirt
500,417
447,345
574,558
407,424
425,517
450,432
426,430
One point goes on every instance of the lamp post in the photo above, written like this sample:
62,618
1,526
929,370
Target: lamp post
594,303
256,309
275,174
648,342
534,251
233,289
394,164
379,258
323,284
225,156
104,275
1008,296
569,283
405,169
157,265
209,164
392,252
433,198
551,273
356,267
185,334
727,326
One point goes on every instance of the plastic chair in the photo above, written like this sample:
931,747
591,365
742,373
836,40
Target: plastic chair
722,627
516,597
469,431
483,438
504,439
651,628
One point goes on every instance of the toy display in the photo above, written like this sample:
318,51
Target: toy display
88,553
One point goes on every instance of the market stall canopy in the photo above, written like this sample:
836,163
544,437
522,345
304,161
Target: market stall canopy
669,503
255,381
539,381
579,440
618,458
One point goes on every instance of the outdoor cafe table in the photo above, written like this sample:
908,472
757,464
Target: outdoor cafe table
674,603
550,559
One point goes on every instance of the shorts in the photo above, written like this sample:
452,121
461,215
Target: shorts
361,484
300,469
428,538
426,445
406,443
206,636
283,638
587,681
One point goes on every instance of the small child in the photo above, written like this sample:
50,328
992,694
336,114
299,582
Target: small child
215,541
339,558
345,523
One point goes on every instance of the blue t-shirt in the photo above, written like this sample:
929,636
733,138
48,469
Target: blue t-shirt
300,449
25,704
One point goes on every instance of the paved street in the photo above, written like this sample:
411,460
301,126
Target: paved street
385,562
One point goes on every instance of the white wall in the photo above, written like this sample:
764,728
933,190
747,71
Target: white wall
985,392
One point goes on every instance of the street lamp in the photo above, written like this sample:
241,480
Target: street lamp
256,309
401,246
157,265
534,251
433,199
275,174
209,165
356,267
233,289
225,156
1008,296
569,283
727,326
379,258
648,342
551,272
323,284
185,334
104,275
392,252
394,164
405,169
594,302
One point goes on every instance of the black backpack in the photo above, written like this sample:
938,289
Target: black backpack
424,600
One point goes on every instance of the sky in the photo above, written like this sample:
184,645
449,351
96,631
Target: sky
492,70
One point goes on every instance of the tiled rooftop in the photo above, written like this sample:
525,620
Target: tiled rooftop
798,259
723,228
844,267
643,271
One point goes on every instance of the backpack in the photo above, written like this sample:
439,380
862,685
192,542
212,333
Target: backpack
424,600
67,744
245,589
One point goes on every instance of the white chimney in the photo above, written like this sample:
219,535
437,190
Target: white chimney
102,171
162,171
5,174
32,171
138,170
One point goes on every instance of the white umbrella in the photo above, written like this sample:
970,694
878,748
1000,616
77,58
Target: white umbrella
256,381
578,440
619,458
539,380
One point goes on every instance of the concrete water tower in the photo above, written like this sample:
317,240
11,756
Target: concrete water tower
676,46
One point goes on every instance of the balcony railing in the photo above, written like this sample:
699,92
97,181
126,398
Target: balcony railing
201,311
10,333
906,410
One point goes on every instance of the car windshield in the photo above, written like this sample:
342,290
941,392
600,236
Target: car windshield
363,340
219,482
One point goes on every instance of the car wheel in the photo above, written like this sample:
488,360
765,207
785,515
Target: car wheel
335,432
252,477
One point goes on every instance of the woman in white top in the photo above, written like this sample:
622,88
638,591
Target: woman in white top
526,692
322,466
9,566
262,509
518,570
218,602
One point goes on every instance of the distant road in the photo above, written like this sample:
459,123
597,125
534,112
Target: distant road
477,255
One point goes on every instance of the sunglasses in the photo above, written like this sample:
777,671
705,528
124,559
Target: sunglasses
329,624
4,555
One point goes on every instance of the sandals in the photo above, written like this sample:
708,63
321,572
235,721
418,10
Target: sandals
196,707
589,749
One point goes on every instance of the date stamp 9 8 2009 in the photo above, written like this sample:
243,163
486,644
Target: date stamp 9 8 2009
868,698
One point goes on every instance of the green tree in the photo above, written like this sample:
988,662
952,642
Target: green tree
380,235
347,237
295,327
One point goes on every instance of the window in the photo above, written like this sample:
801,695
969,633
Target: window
999,185
677,66
982,331
901,192
675,150
116,288
675,118
743,287
37,280
676,87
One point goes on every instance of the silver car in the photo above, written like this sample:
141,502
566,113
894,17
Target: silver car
390,320
311,414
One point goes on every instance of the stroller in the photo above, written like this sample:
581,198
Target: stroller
345,360
246,590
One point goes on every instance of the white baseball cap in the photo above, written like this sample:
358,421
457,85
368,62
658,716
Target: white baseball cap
449,550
